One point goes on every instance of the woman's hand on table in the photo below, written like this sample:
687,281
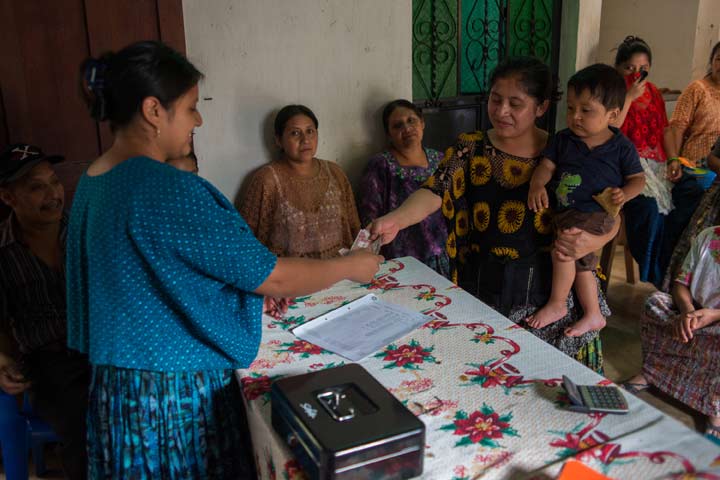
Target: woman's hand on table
276,307
363,265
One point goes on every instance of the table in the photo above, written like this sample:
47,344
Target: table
488,391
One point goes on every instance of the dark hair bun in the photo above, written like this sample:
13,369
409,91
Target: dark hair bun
631,46
115,85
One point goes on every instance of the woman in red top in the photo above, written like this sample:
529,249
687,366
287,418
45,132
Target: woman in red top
651,219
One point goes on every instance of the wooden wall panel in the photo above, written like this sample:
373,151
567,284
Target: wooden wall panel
171,23
42,45
114,24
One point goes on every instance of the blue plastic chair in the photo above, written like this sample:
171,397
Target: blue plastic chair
21,430
14,440
39,433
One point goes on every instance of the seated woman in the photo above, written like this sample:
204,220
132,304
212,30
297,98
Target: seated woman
643,121
695,122
391,176
298,205
681,334
499,250
694,126
707,214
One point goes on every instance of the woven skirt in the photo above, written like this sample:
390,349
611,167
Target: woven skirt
167,425
689,372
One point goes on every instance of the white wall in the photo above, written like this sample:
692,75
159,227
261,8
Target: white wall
707,33
342,58
579,39
669,27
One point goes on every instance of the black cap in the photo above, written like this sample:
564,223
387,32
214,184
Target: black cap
19,158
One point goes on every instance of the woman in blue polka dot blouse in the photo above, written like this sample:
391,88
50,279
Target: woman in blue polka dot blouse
163,400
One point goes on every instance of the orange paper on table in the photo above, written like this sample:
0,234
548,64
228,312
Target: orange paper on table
574,470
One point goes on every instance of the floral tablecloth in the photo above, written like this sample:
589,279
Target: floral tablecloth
488,391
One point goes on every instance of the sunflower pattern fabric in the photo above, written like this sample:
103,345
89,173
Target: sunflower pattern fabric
484,192
484,201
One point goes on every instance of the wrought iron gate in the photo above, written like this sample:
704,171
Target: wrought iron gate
457,44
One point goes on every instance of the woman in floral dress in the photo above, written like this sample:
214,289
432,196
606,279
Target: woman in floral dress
393,175
499,250
680,333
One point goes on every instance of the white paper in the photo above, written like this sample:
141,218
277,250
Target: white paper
361,327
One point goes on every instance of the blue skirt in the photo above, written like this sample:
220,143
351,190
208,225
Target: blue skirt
152,425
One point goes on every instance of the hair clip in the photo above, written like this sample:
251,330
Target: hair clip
95,75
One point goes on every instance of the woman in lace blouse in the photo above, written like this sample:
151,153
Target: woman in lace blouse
299,205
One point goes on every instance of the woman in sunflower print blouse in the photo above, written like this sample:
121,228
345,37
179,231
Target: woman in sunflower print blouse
500,250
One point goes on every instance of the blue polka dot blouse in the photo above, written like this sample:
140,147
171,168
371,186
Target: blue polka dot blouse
160,272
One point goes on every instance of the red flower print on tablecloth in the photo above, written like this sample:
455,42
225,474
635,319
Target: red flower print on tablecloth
302,348
262,364
295,302
437,325
428,296
408,356
487,376
411,387
324,366
383,283
310,302
287,323
585,442
484,427
292,471
484,337
460,473
495,459
256,385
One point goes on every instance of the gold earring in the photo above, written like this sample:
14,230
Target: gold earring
157,132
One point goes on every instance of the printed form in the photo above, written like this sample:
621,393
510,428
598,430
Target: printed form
361,327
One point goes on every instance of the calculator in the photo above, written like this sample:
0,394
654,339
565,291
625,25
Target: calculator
595,398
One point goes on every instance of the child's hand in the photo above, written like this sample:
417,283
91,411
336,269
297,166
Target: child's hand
538,198
617,196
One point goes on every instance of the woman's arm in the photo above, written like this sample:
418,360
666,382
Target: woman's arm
574,243
672,143
293,277
685,322
673,140
416,208
682,298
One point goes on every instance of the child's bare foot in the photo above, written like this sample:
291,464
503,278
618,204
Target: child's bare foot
551,312
585,324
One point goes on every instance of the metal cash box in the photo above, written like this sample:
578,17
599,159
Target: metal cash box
341,423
